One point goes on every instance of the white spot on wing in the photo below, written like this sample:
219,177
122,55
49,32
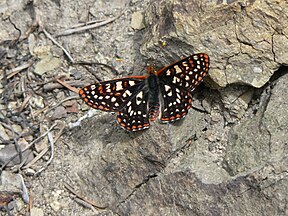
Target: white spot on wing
131,82
178,69
119,86
139,98
176,80
129,109
167,88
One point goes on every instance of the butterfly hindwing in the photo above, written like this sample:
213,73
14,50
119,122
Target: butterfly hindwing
112,95
176,103
134,116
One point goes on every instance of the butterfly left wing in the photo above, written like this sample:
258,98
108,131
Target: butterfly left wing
112,95
126,96
177,81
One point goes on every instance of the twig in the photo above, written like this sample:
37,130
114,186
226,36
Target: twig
51,141
64,100
86,23
35,159
51,86
56,43
97,63
28,146
25,194
74,30
43,152
71,189
85,204
68,86
16,70
26,100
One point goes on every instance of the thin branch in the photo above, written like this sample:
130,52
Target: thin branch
95,25
56,43
51,141
72,190
28,146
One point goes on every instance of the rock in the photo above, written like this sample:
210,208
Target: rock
36,212
59,113
9,150
8,178
208,163
48,63
37,101
3,133
236,100
137,21
263,137
242,51
76,74
17,128
39,51
29,172
71,106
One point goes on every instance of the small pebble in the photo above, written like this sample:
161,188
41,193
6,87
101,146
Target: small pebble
36,212
59,113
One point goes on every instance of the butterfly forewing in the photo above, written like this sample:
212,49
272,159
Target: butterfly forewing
111,95
134,116
187,73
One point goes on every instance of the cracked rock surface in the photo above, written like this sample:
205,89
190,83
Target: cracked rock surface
229,156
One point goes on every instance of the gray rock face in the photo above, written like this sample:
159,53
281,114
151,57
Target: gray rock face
227,157
230,161
245,40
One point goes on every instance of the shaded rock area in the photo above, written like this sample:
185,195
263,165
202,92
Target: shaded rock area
229,156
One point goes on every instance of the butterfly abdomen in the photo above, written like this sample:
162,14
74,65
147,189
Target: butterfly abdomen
153,88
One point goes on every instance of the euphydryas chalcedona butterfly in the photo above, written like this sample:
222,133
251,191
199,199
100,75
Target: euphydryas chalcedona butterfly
136,99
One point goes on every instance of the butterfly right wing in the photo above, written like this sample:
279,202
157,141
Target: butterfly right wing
177,81
112,95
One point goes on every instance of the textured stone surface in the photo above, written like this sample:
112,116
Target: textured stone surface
227,163
227,157
245,40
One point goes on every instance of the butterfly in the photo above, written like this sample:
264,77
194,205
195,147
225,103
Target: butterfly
137,100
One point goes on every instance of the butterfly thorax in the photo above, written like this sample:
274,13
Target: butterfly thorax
153,87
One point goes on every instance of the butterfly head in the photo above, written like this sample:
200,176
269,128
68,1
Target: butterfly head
151,69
